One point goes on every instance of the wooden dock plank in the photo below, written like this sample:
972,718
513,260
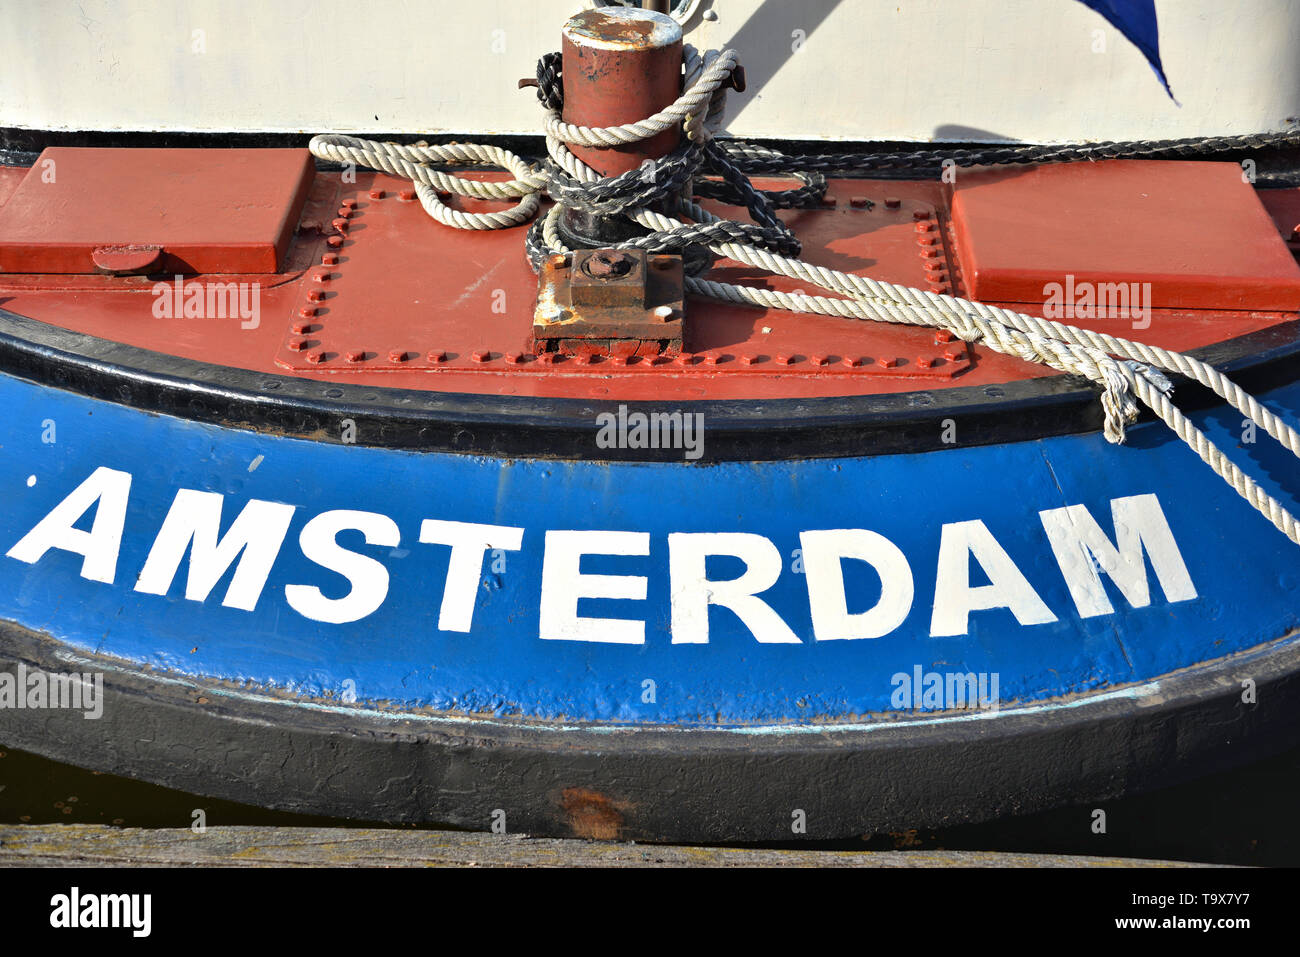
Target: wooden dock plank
95,845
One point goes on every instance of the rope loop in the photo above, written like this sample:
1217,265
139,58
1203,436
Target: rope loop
413,163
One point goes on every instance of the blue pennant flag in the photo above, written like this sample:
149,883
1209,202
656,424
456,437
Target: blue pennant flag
1136,19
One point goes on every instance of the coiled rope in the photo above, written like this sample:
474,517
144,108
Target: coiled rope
655,195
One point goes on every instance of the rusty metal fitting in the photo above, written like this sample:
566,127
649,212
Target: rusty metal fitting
608,264
611,302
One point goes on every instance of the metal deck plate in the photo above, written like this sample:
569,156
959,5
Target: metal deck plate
211,211
1196,232
357,313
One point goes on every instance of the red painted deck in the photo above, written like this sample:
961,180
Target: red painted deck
406,302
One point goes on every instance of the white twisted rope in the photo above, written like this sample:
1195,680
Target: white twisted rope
1127,371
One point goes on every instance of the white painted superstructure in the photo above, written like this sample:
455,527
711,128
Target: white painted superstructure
917,70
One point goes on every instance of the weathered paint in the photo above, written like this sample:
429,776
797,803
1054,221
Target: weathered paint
1244,572
621,66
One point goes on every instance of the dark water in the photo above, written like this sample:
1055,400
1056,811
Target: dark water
1248,816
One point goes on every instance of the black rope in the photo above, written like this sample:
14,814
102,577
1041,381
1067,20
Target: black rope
649,184
550,88
810,194
761,160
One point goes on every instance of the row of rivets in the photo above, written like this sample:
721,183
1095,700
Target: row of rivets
438,357
322,276
932,258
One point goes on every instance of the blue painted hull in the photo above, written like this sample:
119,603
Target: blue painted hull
1242,572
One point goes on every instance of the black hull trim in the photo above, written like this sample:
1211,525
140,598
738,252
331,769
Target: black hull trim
657,784
530,427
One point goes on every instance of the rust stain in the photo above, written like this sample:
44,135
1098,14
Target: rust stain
906,838
592,815
599,25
